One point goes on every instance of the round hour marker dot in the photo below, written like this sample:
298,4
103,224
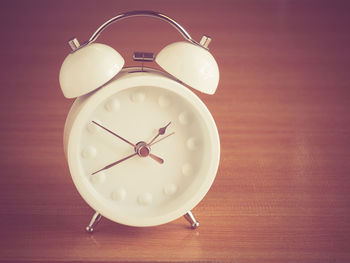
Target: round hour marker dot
118,194
163,101
170,189
138,96
145,199
89,152
98,178
184,118
187,169
112,105
192,143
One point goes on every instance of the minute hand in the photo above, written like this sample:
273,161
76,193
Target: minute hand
125,140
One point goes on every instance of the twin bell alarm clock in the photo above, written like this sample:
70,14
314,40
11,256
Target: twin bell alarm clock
141,147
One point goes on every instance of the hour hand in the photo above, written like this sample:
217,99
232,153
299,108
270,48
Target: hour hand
125,140
161,131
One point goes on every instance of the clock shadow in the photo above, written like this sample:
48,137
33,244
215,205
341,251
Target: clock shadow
117,240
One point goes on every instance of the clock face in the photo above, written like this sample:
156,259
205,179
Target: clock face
143,154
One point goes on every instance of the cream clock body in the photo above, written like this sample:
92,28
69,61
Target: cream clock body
140,191
141,147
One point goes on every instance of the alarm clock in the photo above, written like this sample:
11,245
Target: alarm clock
141,147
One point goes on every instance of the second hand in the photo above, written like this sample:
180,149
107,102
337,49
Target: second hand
162,138
115,163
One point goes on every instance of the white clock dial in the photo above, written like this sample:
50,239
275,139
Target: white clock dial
142,150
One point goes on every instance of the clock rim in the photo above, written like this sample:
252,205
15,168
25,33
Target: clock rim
132,78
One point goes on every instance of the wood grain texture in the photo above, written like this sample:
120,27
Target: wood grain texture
282,110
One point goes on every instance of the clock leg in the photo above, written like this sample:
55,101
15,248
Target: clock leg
93,222
191,219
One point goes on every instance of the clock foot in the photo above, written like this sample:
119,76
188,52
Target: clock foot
93,222
191,219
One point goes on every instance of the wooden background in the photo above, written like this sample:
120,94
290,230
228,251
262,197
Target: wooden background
282,109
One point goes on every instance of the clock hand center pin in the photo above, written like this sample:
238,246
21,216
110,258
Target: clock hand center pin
143,150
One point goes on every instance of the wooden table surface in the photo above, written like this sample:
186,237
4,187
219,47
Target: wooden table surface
282,110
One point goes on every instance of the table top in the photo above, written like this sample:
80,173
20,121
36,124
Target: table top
282,110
